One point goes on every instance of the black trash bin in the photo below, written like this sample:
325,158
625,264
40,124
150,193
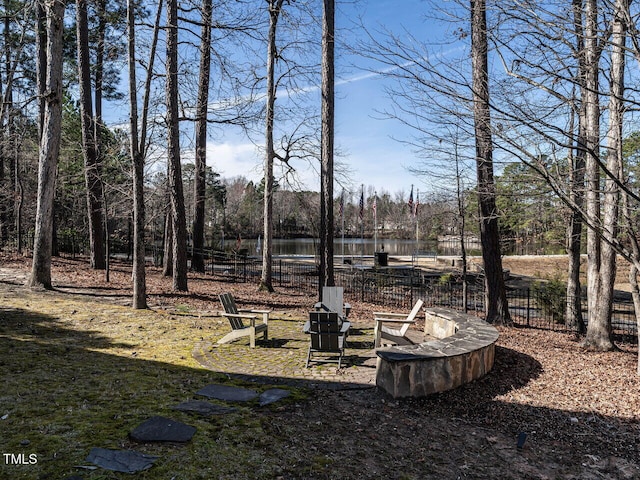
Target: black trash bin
382,259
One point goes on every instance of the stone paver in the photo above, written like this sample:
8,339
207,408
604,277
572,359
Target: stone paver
228,393
125,461
203,408
273,395
160,429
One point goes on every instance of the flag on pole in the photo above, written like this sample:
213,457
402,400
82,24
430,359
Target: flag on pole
415,207
342,204
410,203
362,203
374,207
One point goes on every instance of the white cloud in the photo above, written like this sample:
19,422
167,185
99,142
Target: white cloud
244,159
235,159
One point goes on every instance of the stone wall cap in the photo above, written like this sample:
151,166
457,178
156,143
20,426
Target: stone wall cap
472,334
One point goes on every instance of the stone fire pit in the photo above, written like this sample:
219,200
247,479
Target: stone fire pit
463,351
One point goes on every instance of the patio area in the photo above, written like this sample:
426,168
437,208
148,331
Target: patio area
281,359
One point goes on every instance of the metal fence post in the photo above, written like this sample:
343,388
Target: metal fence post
528,306
411,293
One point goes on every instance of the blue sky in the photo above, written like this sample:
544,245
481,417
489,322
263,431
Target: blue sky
371,156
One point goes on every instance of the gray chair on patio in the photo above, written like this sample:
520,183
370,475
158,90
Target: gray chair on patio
327,337
333,301
236,317
393,327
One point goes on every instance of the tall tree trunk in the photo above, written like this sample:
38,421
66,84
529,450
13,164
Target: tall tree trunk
178,217
139,299
592,200
19,197
49,146
89,146
167,257
600,336
573,313
634,269
275,8
41,63
199,192
7,123
635,295
99,68
599,326
462,228
496,306
327,146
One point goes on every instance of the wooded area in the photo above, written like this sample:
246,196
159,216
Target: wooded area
528,109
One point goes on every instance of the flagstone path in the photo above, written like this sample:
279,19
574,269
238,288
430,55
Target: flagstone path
161,429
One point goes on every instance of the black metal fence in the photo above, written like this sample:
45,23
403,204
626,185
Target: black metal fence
401,287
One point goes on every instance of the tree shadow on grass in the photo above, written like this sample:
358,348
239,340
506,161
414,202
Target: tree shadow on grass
64,392
28,326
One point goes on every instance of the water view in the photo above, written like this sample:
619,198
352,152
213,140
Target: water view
354,247
368,246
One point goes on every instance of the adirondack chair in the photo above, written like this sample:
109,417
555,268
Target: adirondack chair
333,301
327,336
238,328
393,326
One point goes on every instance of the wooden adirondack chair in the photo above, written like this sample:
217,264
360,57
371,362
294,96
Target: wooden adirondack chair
238,328
327,336
333,301
393,326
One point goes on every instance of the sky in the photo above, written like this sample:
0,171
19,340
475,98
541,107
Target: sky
364,141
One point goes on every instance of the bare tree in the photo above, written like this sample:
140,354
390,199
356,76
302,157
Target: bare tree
597,329
287,52
16,26
197,258
138,150
89,142
434,94
576,162
275,8
49,144
496,308
556,74
178,217
327,146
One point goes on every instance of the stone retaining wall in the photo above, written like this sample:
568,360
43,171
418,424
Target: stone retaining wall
463,351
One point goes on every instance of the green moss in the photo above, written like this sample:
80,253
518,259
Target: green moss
74,380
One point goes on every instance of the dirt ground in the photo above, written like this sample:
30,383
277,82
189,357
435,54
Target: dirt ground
576,413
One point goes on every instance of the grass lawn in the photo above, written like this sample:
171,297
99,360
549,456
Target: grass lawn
81,374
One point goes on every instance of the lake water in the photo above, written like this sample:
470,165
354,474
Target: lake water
367,247
353,247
